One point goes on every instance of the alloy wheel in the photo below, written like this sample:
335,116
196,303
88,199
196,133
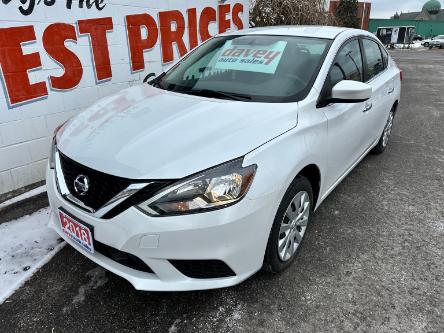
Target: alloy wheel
388,129
293,226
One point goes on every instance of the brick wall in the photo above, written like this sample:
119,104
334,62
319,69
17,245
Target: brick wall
364,10
49,71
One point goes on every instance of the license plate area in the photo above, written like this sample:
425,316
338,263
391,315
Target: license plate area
80,232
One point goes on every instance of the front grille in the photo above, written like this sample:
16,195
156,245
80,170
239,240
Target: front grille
137,198
123,258
203,269
103,187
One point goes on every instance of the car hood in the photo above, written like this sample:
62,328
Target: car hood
148,133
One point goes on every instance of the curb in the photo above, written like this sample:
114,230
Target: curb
23,207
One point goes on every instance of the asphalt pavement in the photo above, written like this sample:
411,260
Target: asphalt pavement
373,259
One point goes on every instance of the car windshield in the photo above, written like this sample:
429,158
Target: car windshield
260,68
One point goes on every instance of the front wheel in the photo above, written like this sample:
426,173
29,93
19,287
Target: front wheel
385,137
289,226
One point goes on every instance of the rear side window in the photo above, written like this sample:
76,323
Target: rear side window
348,64
384,56
375,63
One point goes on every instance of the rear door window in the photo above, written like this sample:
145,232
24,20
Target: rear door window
384,56
375,63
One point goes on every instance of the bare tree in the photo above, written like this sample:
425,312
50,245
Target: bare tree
289,12
347,13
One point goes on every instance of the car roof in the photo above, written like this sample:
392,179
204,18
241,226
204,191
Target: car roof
294,30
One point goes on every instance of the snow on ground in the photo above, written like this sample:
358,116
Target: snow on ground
415,45
26,245
23,196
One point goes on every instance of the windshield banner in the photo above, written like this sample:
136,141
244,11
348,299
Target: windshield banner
252,58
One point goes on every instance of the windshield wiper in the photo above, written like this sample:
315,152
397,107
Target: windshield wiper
216,93
156,81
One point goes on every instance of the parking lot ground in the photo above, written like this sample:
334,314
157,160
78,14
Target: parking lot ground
373,259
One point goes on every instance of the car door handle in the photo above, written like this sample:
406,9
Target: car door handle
368,107
391,90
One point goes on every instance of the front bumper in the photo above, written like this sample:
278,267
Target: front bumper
236,235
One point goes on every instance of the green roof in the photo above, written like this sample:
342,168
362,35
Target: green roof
424,15
432,6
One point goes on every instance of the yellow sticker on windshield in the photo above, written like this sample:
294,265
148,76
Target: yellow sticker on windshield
252,58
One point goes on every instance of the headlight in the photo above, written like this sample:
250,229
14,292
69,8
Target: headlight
215,188
54,146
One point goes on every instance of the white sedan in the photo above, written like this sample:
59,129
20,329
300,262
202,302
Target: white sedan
213,170
437,41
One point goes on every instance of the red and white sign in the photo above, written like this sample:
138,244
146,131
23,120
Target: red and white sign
171,28
77,232
58,57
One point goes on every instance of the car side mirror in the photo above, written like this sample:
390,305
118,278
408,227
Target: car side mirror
348,91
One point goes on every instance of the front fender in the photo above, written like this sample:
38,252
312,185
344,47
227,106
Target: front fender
282,159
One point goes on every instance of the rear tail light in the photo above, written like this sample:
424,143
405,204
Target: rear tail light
401,74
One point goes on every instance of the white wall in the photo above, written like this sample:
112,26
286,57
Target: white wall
26,127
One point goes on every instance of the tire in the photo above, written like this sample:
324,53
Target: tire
386,133
426,44
300,191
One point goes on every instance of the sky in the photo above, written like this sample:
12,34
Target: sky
387,8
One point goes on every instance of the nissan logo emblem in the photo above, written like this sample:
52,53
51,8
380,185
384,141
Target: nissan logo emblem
81,184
